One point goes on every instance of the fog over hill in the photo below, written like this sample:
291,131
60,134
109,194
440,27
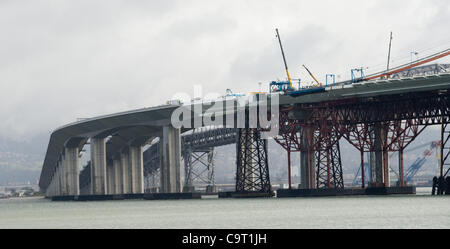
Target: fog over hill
21,160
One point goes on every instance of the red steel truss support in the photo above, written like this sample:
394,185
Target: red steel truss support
319,132
328,164
378,124
396,136
358,136
326,146
289,138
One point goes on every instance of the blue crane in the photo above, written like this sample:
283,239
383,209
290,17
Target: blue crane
419,162
412,169
366,170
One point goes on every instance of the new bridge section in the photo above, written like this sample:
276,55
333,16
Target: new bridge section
67,141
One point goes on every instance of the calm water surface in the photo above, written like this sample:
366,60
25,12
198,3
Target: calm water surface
419,211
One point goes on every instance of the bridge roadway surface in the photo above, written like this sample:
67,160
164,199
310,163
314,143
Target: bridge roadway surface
138,126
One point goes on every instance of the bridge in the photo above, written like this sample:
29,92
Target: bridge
197,150
375,116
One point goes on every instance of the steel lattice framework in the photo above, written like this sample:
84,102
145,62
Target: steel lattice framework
290,136
199,167
252,173
400,119
322,139
328,164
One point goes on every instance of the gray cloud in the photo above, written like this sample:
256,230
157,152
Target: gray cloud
63,60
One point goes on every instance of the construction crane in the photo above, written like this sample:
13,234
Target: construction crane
413,168
419,162
284,59
318,83
286,87
366,169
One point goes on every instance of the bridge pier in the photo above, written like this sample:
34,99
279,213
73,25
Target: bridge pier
307,161
117,188
125,172
58,179
252,172
111,180
98,166
170,171
62,178
63,175
199,167
136,169
376,157
71,171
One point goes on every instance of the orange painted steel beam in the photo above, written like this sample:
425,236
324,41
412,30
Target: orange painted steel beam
409,66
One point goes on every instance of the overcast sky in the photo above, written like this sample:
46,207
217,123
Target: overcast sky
63,60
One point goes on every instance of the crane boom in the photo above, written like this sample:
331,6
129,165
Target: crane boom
318,83
284,59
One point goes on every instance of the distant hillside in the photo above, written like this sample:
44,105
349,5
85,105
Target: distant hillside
21,161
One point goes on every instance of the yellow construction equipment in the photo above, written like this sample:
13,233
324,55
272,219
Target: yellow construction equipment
318,83
284,59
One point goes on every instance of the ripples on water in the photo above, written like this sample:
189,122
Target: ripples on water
419,211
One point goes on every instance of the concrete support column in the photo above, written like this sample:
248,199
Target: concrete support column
63,177
125,171
307,162
136,169
52,187
98,166
304,170
57,179
110,179
401,178
170,160
71,170
117,177
376,157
